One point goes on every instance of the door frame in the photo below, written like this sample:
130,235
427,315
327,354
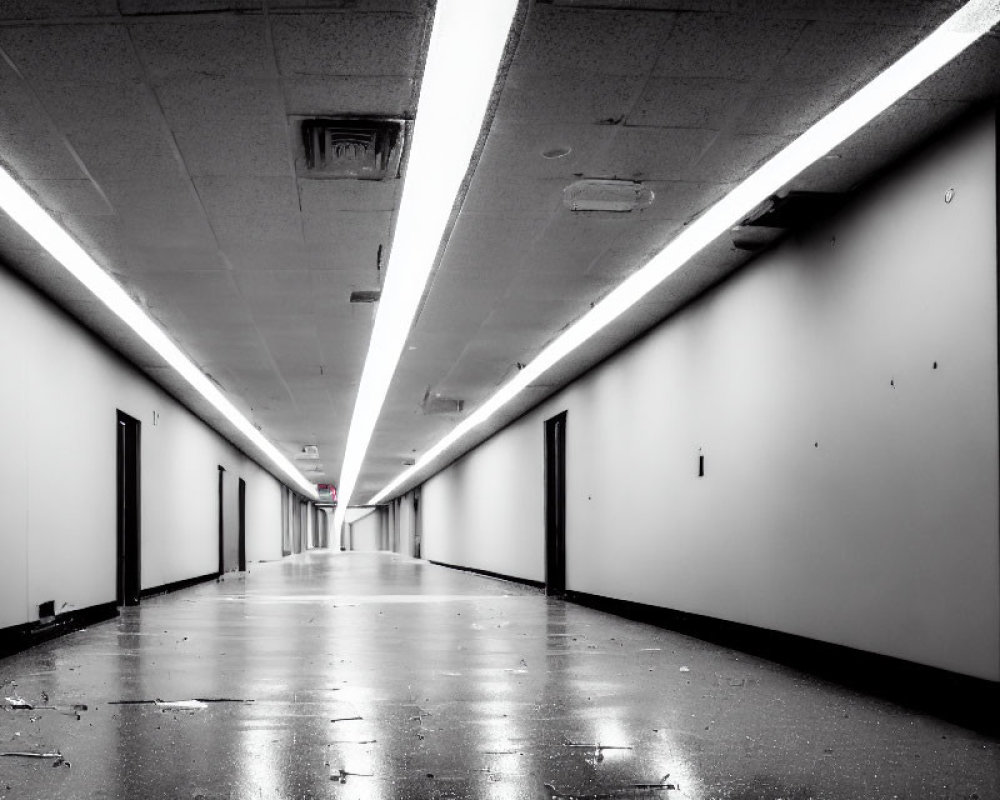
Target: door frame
555,505
128,450
242,557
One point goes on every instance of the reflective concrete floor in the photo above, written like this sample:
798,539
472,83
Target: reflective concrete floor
373,676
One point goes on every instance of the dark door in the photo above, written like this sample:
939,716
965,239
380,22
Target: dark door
222,519
243,526
555,505
417,532
128,579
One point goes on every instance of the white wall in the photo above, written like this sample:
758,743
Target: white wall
58,398
365,533
835,505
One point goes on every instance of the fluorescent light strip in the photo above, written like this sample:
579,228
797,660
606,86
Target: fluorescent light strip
26,212
466,45
963,28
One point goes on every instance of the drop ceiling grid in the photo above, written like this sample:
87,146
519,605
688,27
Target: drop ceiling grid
225,105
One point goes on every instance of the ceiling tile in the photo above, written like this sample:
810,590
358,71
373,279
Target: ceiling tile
327,197
789,108
79,53
517,148
513,196
347,43
388,96
271,230
116,129
730,46
351,237
576,98
575,41
79,197
854,53
226,126
487,243
162,214
28,142
49,9
174,257
689,102
655,153
634,248
254,196
732,158
231,46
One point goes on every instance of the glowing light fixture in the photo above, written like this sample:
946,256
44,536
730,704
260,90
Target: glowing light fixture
957,33
26,212
466,45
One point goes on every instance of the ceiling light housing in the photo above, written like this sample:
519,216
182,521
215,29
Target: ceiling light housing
599,194
467,45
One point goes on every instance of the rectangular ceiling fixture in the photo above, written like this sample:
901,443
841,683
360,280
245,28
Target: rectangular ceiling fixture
35,220
968,24
466,47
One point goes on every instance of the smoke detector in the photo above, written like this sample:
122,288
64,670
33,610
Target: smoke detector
598,194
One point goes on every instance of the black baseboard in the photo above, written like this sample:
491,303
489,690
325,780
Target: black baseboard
967,701
487,574
166,588
21,637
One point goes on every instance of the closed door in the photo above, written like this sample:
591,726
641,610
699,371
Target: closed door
555,505
128,517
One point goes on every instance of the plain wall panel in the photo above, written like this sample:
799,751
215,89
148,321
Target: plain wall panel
58,469
851,486
15,440
366,532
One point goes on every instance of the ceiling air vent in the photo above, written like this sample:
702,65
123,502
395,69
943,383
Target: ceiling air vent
355,148
595,194
366,296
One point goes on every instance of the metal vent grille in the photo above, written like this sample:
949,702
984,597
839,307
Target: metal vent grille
349,148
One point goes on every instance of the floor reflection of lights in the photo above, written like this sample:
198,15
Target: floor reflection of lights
261,756
501,746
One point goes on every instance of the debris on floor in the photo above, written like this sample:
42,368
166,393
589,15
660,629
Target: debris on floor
342,774
632,790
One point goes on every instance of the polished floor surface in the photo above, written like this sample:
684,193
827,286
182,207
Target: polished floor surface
373,676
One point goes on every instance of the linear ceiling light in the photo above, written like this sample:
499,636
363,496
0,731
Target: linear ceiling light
963,28
466,46
26,212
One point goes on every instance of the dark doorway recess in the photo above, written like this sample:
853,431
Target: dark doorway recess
128,578
222,518
243,525
555,505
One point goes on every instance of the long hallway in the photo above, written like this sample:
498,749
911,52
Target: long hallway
368,675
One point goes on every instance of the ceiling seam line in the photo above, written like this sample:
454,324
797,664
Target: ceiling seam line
55,129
